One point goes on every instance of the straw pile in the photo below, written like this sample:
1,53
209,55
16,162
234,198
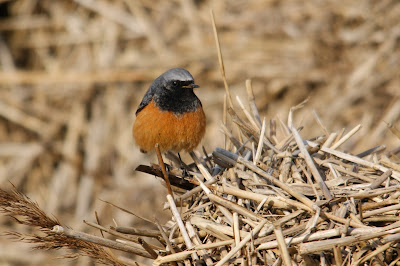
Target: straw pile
73,72
285,199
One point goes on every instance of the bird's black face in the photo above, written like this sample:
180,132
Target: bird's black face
176,85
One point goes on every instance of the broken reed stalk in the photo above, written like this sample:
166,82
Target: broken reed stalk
148,248
100,241
282,246
137,231
118,234
163,169
165,237
252,102
220,59
311,165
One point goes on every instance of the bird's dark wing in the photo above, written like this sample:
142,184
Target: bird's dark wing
146,100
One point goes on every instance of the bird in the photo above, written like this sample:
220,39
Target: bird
170,114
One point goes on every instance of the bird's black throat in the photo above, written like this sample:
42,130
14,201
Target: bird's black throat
178,101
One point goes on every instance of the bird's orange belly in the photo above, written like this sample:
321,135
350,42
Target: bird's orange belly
171,132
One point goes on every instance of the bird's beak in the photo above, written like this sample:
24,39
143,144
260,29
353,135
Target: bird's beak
191,86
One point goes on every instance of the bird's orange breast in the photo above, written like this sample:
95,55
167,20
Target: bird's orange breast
172,132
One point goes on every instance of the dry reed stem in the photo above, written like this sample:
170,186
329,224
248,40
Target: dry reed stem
282,246
252,102
148,248
173,257
165,237
120,235
179,221
357,160
311,165
220,60
137,231
100,241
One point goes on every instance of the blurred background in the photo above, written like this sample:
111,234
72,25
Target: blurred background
72,73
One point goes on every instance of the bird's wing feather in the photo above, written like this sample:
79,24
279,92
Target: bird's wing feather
146,100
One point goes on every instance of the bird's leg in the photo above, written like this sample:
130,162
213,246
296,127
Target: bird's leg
185,172
168,167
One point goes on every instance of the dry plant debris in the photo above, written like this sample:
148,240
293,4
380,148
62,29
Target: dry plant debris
277,197
267,198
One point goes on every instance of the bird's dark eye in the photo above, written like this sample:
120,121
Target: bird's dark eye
175,83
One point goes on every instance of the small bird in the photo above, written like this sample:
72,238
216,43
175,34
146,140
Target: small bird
170,114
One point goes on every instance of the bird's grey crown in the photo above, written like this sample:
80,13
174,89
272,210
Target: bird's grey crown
177,74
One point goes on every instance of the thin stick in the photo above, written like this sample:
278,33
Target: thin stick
181,226
269,200
319,122
346,137
215,244
127,211
190,193
173,257
164,235
196,240
100,241
282,246
225,121
98,222
318,246
374,253
117,234
148,248
377,182
260,143
360,161
311,165
337,254
234,250
164,170
220,60
252,101
136,231
233,206
381,210
246,113
201,167
236,229
304,238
